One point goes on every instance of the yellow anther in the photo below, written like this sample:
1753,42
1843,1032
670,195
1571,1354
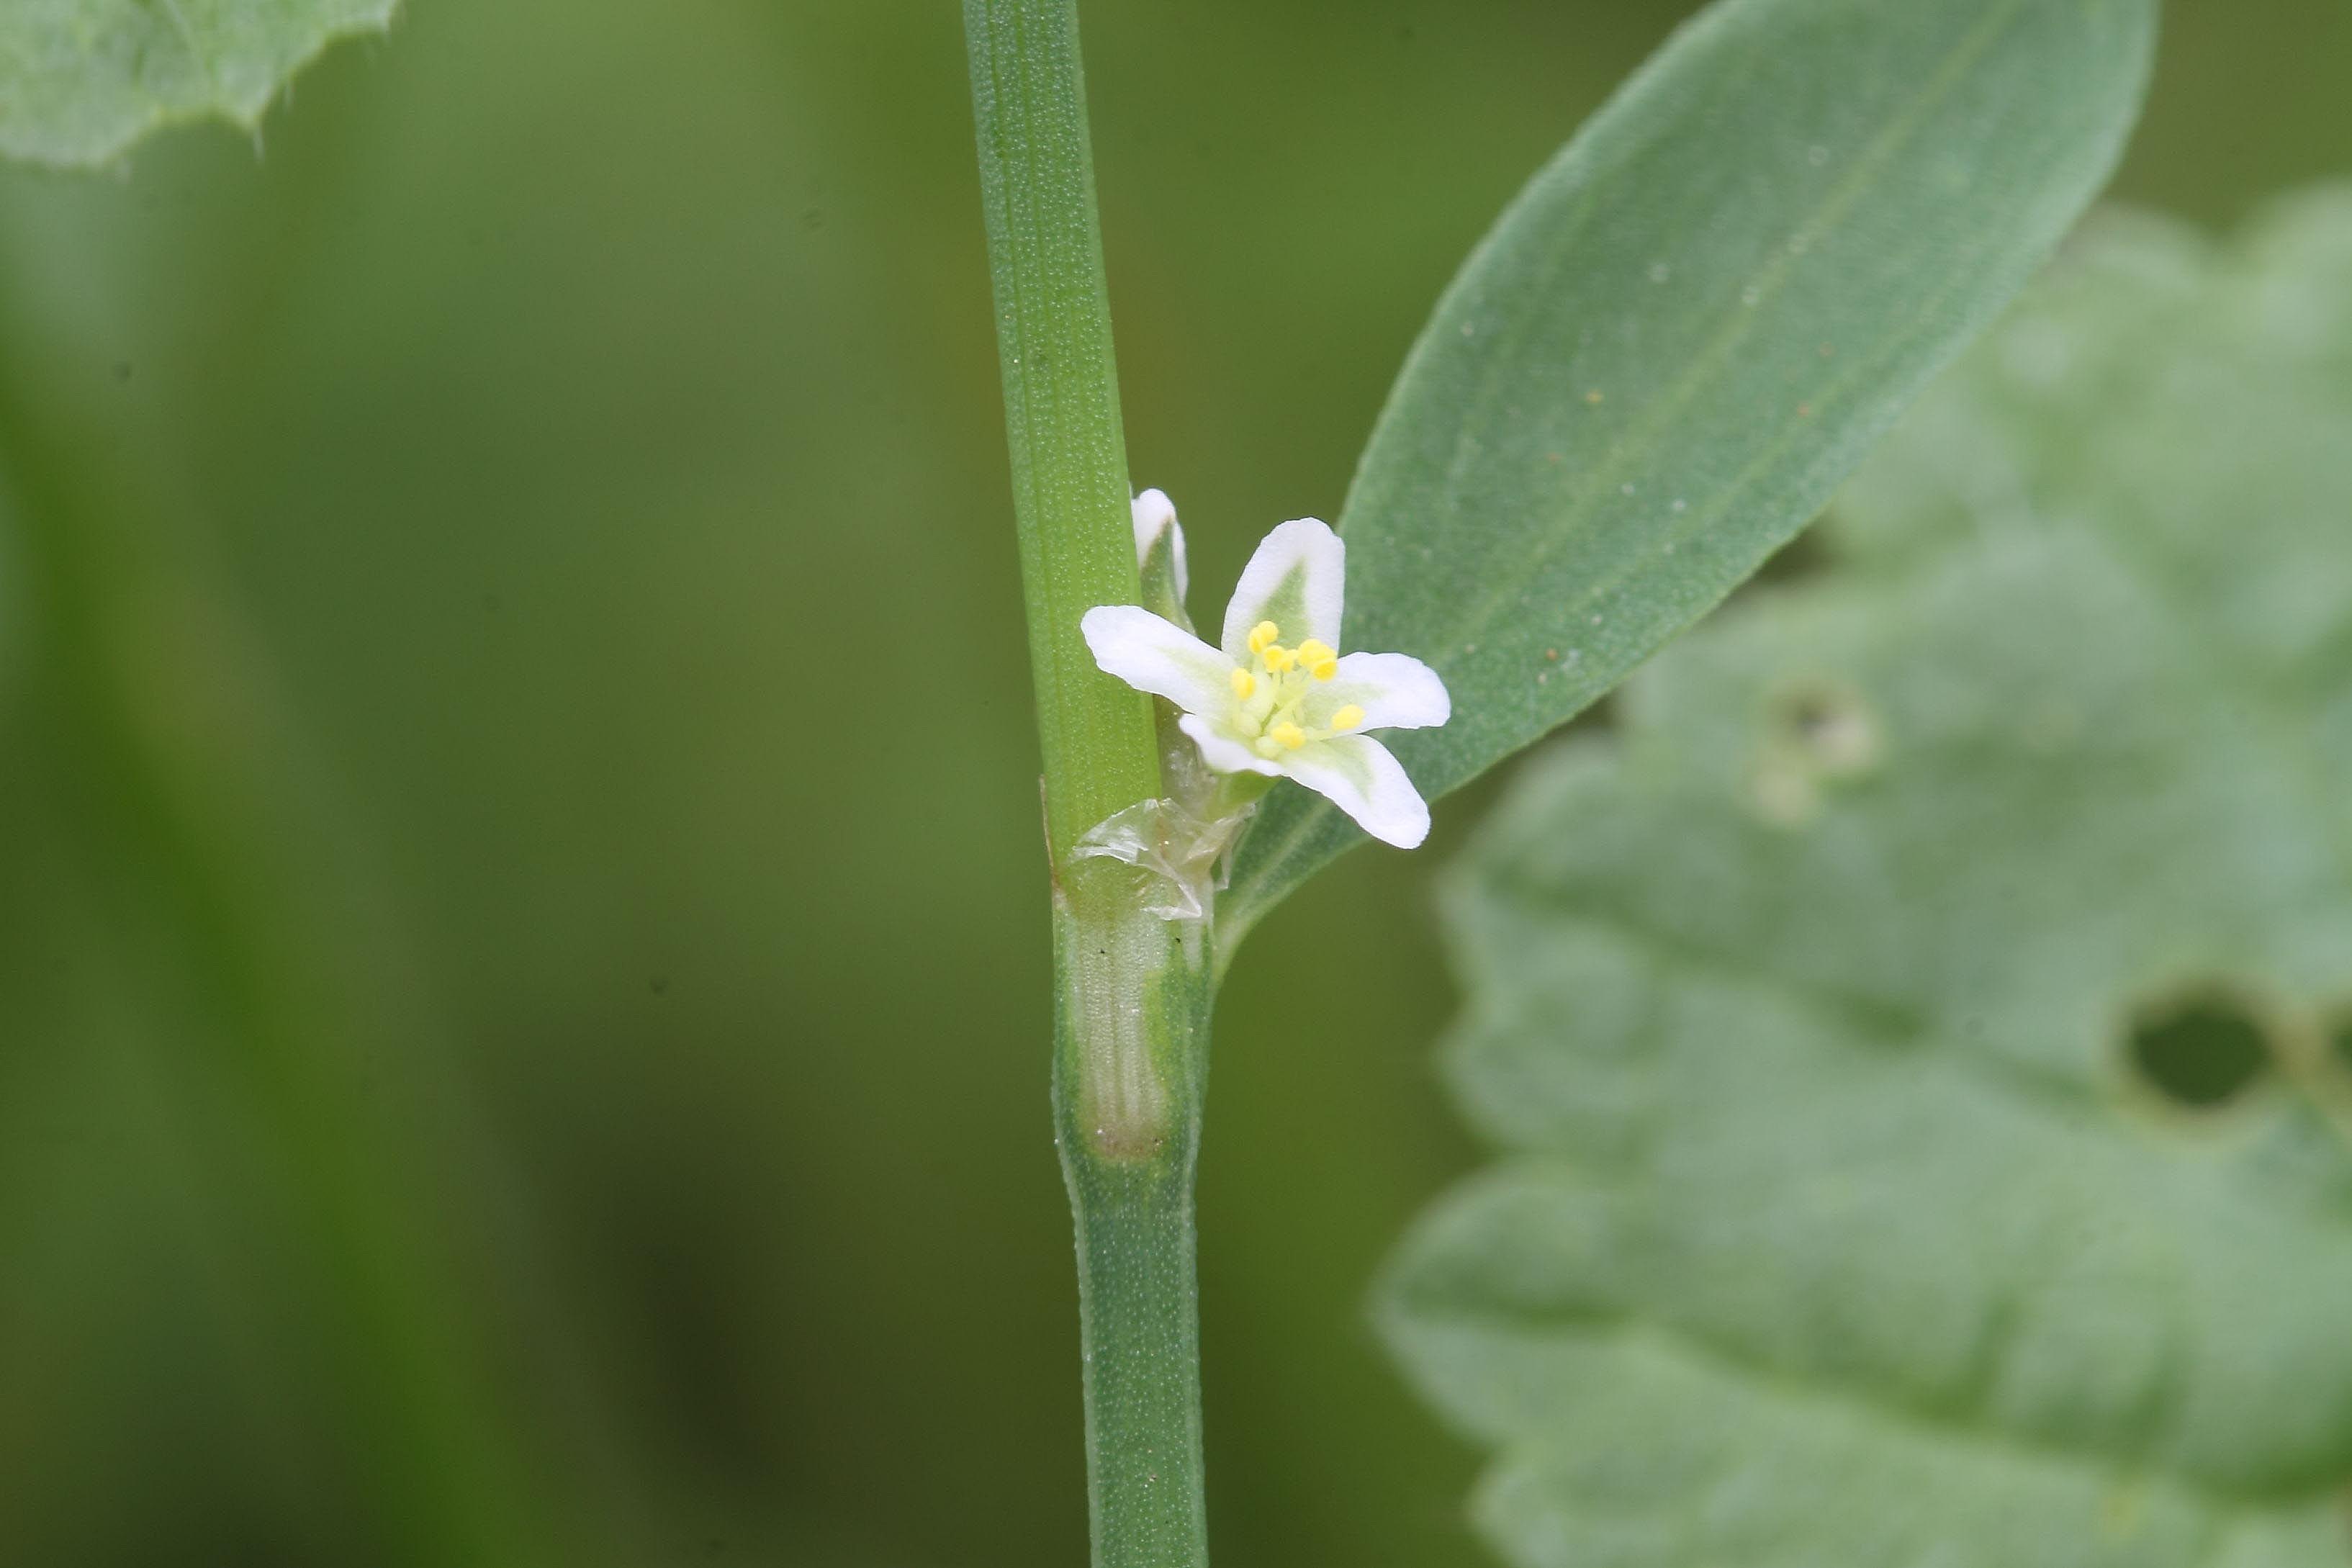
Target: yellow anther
1348,718
1245,684
1323,669
1289,735
1319,658
1278,659
1262,635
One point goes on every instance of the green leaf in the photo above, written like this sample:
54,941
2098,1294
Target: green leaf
1686,331
1919,1037
80,80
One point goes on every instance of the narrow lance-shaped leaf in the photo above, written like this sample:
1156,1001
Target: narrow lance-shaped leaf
80,80
1686,331
1921,1036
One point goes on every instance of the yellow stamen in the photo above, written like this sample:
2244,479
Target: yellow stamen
1278,659
1245,684
1325,668
1348,718
1319,657
1288,734
1262,636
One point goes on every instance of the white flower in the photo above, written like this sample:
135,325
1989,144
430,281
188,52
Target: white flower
1279,698
1155,514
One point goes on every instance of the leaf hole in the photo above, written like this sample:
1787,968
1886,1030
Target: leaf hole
1817,733
2200,1051
1829,726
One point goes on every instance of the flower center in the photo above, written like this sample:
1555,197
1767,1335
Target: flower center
1272,693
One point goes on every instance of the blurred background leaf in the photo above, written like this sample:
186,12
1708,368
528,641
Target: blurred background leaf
580,424
1684,333
1919,1034
80,80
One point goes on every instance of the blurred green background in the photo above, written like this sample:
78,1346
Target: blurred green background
523,976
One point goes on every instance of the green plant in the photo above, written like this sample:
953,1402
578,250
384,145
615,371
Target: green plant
1914,1021
80,80
1649,376
1917,1035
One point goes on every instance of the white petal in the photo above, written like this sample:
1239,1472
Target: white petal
1153,511
1357,774
1396,691
1221,752
1153,656
1295,580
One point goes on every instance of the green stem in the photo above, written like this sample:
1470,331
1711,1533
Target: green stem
1128,1070
1061,402
1134,990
